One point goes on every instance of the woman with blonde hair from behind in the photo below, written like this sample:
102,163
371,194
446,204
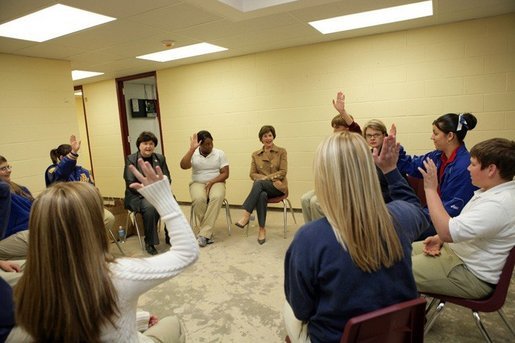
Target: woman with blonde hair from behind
73,290
358,258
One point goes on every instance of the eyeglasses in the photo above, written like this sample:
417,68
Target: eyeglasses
375,135
5,168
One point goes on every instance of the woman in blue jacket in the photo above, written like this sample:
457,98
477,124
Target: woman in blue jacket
14,234
451,158
64,168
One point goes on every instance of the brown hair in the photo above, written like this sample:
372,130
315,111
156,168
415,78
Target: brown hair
347,187
266,129
16,188
375,124
339,121
65,293
497,151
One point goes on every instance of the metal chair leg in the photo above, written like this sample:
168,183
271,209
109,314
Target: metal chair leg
285,218
505,320
479,324
435,315
291,210
431,304
116,242
227,215
134,220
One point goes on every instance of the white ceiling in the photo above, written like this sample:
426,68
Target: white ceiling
141,25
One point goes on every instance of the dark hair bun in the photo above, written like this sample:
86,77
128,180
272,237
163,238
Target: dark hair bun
471,120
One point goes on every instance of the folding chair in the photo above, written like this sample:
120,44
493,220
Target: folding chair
398,323
492,303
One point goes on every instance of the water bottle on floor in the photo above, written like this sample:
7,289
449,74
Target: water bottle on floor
121,234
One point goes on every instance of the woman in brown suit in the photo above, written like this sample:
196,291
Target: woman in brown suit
268,171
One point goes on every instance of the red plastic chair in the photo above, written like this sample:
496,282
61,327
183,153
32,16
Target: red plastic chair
492,303
398,323
284,199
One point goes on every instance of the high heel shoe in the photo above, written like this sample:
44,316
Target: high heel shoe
261,241
242,226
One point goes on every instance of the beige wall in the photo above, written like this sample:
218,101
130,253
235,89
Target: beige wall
37,113
104,137
83,133
408,78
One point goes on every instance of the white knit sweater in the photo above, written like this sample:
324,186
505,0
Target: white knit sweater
134,276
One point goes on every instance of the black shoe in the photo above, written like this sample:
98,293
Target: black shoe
151,249
261,241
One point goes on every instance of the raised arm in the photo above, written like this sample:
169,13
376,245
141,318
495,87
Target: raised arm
186,159
145,273
398,187
437,212
339,105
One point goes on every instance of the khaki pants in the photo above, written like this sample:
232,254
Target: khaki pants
12,277
167,330
108,220
206,208
310,207
446,274
296,330
15,246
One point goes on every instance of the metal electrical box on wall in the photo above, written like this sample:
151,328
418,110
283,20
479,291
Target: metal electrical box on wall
143,108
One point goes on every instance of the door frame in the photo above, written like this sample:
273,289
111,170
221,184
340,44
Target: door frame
122,110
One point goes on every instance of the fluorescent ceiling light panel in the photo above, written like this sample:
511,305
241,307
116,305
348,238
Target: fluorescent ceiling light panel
51,22
182,52
253,5
83,74
375,17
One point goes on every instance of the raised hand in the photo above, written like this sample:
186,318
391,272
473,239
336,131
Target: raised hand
430,175
75,144
432,245
393,130
148,175
194,143
387,159
339,103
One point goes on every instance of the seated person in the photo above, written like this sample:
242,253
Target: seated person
210,169
467,255
16,204
341,122
268,170
90,295
451,158
358,258
64,168
374,132
134,201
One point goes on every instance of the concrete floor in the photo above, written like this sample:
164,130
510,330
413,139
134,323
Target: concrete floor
234,293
